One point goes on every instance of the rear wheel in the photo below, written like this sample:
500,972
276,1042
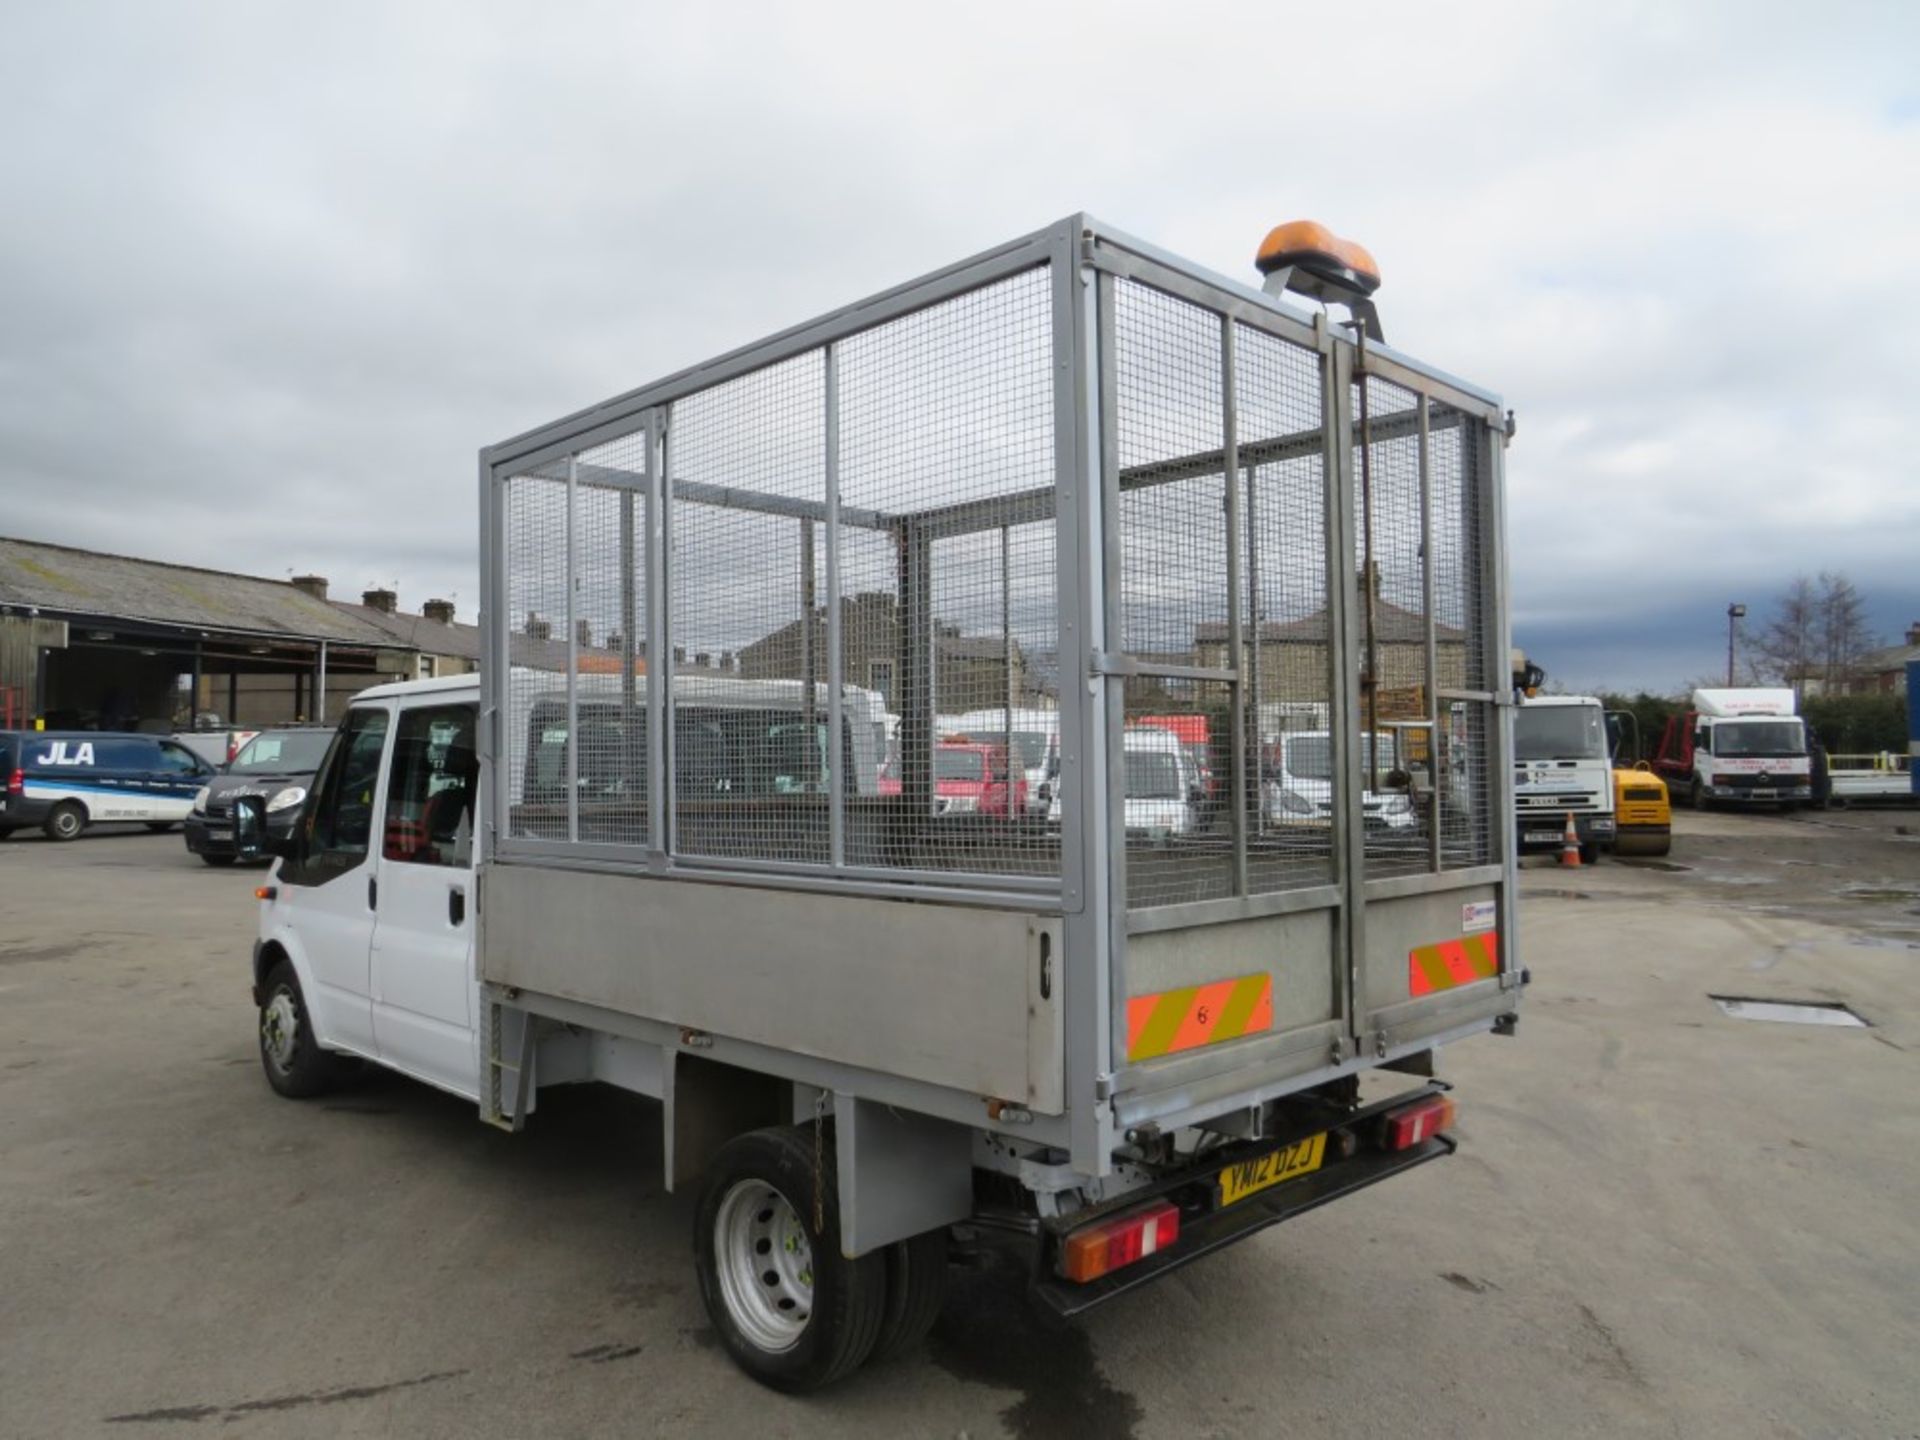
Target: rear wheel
65,821
5,830
792,1311
917,1272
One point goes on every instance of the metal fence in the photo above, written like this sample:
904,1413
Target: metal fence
838,607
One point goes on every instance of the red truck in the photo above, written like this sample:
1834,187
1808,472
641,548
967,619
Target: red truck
969,778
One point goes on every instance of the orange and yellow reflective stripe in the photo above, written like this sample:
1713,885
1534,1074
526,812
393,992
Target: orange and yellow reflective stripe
1185,1019
1451,963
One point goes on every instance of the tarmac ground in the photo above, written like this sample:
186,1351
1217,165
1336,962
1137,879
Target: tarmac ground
1662,1220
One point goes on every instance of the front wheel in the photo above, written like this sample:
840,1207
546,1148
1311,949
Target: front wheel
159,827
221,860
65,821
296,1066
1589,853
792,1311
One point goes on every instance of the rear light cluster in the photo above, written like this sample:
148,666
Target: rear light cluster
1102,1248
1413,1124
17,782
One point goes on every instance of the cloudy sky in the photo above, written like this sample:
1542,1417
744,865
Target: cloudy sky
270,275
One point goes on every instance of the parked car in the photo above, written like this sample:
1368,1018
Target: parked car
1165,793
1300,791
66,780
971,778
269,777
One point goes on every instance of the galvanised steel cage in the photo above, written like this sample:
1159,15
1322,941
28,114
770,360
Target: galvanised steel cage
1071,580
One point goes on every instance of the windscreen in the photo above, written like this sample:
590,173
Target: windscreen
1310,757
295,753
1758,739
1152,775
952,764
1559,732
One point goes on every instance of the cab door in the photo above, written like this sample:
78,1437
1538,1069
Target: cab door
329,885
423,979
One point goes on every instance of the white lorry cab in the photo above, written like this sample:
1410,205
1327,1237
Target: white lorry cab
1032,737
1742,746
1562,765
886,1032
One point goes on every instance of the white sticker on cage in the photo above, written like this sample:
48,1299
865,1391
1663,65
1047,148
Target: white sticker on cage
1477,915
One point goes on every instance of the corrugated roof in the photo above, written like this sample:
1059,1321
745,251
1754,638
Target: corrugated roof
59,579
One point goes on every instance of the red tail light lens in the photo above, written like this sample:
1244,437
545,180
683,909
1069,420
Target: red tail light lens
1412,1124
17,782
1100,1249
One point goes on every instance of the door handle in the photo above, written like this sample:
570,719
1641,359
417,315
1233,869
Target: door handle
456,905
373,892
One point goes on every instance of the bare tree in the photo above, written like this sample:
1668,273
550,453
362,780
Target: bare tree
1789,647
1844,633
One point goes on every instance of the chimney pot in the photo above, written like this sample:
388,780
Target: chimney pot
314,585
538,628
384,601
438,611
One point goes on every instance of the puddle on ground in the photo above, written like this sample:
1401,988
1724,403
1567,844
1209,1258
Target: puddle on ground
1879,894
1792,1012
1883,942
1738,879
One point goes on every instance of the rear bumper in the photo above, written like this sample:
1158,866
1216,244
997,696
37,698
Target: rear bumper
1206,1227
23,810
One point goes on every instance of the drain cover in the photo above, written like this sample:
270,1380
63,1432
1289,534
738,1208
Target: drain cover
1793,1012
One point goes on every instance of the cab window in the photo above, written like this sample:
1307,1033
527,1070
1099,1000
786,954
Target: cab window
431,786
340,824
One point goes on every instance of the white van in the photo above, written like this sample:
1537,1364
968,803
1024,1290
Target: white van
1299,787
1165,789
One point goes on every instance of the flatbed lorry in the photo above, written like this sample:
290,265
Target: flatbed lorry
648,846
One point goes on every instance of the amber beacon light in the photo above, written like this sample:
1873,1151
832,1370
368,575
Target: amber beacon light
1307,258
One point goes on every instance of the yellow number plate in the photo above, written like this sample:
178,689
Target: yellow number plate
1303,1157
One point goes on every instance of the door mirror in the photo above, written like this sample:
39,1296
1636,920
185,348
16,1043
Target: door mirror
249,830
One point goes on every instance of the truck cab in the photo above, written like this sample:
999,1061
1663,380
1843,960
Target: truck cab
1737,747
366,945
1562,767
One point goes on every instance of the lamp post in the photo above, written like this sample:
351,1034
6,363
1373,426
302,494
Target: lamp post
1735,613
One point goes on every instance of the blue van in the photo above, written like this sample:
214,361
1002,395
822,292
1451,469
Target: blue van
65,780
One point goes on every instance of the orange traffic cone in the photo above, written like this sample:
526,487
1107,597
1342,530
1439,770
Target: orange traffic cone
1570,844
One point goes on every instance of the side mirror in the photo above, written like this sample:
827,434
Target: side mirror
250,840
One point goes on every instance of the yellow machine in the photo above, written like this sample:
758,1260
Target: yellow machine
1643,811
1643,814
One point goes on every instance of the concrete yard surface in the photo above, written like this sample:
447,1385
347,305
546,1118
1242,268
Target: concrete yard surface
1663,1220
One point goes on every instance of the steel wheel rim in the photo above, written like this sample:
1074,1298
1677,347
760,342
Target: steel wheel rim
764,1263
66,823
279,1030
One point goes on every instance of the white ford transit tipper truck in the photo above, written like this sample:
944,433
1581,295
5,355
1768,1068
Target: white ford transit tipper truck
647,845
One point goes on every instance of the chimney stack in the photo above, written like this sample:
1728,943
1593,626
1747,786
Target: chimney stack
1913,633
438,611
583,632
314,585
384,601
538,628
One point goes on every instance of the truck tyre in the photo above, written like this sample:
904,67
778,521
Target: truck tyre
296,1066
1589,853
792,1311
917,1273
1697,796
217,859
65,821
